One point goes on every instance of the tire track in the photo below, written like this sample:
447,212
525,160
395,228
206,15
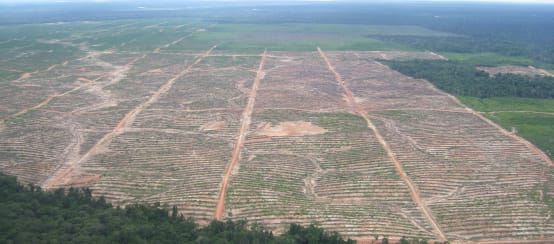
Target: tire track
62,175
360,111
245,125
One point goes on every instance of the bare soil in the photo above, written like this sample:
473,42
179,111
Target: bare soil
214,125
511,69
292,128
52,67
155,71
24,76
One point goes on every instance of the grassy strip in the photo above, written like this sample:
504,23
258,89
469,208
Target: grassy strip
489,59
496,104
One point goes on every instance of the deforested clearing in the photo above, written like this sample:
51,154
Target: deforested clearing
291,128
279,123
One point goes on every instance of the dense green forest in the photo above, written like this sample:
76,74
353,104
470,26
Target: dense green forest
464,80
31,215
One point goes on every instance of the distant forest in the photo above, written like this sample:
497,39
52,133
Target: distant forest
508,29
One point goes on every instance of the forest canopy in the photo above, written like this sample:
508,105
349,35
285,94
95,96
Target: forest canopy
30,215
465,80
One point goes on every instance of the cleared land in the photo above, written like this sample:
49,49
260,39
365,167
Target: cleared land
511,69
328,137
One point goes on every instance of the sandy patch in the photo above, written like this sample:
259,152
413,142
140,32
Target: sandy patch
359,100
28,85
25,76
52,67
512,69
214,125
292,128
154,71
83,79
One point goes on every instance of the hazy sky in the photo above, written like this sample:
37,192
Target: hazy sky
507,1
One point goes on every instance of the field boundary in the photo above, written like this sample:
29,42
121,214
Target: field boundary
537,151
360,111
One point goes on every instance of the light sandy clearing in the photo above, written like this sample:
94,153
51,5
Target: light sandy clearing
292,128
518,70
214,125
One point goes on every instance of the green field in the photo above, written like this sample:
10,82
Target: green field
253,38
532,118
497,104
489,59
537,128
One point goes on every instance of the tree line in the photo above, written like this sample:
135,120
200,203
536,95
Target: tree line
30,215
464,80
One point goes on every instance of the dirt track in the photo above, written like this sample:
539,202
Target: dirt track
359,110
529,145
62,175
245,124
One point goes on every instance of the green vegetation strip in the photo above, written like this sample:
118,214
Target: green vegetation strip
498,104
463,79
30,215
532,118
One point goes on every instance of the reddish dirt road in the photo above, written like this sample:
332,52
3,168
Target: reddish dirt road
359,110
52,67
63,175
245,125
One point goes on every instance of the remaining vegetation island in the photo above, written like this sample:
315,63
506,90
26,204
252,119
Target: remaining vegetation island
306,122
